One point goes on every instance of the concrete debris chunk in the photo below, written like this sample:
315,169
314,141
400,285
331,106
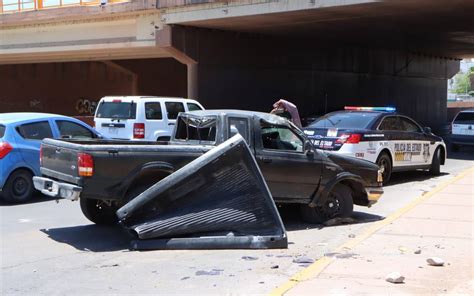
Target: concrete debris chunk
418,251
435,261
351,235
249,258
395,278
303,259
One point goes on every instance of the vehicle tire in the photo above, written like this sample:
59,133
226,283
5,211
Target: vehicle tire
384,161
19,187
435,168
455,147
338,204
98,211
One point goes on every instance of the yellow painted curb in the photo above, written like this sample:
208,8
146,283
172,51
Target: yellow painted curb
317,267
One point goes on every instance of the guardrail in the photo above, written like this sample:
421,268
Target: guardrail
10,6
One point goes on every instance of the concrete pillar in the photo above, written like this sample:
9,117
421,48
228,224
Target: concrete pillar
193,82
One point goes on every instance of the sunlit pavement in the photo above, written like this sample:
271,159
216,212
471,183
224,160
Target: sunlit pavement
49,248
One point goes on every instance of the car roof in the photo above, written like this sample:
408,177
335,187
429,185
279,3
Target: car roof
467,111
136,98
14,117
271,118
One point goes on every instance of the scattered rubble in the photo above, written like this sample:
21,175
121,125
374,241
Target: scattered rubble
249,258
185,278
274,267
435,261
351,235
395,278
417,251
303,259
211,272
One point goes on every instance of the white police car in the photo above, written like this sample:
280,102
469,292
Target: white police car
380,135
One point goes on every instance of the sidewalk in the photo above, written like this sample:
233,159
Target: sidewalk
441,224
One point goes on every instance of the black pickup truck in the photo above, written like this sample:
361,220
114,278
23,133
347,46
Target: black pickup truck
105,174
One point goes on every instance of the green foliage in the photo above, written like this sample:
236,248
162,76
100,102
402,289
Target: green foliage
462,83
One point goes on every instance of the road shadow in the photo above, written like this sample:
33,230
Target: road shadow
95,238
37,198
292,219
412,176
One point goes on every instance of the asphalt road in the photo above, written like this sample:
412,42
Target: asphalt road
49,248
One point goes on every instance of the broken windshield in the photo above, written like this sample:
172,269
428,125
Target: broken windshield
194,128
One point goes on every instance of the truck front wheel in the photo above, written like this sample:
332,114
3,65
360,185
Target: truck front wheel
338,204
98,211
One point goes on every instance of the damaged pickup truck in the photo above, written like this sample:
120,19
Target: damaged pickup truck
106,174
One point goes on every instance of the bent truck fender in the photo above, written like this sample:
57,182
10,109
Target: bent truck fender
141,174
356,185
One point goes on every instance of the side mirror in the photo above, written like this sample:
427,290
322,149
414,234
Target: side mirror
427,130
308,149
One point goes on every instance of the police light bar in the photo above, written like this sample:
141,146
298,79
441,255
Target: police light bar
388,109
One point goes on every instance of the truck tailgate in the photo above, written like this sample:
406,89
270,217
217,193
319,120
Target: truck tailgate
59,161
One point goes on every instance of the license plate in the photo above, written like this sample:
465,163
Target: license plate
113,130
332,132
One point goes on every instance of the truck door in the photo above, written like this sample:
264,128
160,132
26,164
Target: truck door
290,173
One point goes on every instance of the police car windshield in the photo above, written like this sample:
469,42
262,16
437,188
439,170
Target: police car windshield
345,120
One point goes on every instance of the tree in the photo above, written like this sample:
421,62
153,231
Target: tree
462,83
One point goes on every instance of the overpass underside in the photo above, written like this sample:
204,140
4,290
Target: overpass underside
321,55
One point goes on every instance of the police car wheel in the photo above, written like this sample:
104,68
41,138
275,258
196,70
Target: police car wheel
338,204
384,161
436,163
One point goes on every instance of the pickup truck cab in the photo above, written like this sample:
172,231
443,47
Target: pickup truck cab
140,118
106,174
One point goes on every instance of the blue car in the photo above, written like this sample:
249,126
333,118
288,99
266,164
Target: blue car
20,139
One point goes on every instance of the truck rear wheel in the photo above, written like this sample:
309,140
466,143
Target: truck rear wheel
338,204
98,211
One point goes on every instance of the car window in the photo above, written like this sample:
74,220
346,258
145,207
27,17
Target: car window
193,107
173,108
408,125
72,130
153,111
35,131
190,128
390,123
345,120
121,110
241,126
280,138
464,118
2,131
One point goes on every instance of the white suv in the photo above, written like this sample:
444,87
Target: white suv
140,117
462,129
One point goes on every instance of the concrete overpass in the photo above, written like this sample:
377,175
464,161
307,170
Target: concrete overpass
322,54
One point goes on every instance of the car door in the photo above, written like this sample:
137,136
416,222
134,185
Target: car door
29,137
289,172
420,147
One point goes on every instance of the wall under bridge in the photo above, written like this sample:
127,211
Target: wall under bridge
74,88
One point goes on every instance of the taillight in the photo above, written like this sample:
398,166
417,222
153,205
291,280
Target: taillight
5,148
139,130
349,139
85,165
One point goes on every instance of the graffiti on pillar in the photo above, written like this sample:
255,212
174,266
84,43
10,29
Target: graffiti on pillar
35,104
85,106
